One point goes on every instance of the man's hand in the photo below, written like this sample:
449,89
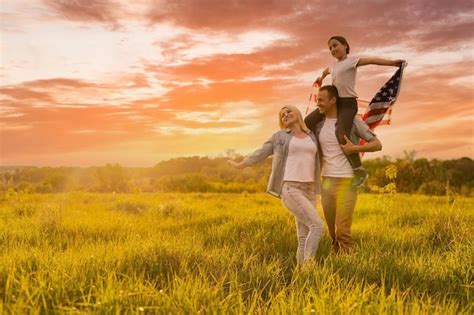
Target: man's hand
349,147
235,164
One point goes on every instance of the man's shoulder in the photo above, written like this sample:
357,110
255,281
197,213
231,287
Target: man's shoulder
320,124
359,124
359,121
361,129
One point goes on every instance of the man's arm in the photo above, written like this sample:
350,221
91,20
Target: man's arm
372,145
362,130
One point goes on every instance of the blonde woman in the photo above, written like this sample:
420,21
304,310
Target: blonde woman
295,176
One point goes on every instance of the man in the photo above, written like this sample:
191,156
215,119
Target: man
338,196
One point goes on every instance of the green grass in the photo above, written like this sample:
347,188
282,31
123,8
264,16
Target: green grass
229,253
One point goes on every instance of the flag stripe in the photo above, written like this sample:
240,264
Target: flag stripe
380,105
373,118
375,112
380,108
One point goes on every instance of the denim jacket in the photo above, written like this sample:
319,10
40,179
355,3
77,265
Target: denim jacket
277,146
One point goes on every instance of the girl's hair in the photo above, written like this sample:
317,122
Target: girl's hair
343,41
298,115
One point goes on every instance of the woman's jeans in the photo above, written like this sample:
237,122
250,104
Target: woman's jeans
300,199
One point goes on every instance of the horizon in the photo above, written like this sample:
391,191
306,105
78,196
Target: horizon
390,158
89,83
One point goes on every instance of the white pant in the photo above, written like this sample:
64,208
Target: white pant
300,199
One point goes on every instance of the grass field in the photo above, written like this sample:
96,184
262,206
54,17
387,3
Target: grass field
229,253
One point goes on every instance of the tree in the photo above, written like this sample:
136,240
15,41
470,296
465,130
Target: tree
113,178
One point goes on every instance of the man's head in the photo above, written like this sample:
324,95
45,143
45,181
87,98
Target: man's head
327,100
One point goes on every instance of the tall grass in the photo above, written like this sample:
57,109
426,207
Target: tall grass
229,253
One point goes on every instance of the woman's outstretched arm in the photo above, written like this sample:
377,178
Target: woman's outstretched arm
258,156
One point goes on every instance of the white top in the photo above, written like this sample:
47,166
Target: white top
335,162
301,161
343,75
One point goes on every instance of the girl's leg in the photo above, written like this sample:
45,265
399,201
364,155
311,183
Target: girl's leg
346,111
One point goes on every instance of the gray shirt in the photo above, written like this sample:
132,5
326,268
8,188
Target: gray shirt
277,146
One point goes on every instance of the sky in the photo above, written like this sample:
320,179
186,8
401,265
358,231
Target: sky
90,82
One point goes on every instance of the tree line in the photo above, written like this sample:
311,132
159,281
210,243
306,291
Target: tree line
205,174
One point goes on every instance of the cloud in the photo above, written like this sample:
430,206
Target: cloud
57,82
189,77
26,94
103,11
214,14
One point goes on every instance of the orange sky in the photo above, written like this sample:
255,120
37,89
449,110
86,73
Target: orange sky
89,82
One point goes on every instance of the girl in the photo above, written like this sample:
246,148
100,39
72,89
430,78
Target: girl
343,73
295,176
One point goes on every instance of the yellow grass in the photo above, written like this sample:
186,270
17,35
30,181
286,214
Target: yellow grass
229,253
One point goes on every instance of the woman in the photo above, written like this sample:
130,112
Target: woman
295,176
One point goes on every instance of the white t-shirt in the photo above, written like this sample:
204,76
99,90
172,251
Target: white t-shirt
301,161
335,162
343,75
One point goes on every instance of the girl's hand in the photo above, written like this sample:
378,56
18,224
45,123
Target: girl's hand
318,82
398,62
235,164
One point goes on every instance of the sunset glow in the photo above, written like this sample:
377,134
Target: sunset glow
92,82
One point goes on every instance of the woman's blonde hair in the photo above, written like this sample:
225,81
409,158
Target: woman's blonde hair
298,115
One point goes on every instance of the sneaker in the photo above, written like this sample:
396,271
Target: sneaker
360,177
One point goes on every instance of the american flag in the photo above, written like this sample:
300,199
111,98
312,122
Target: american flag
379,109
313,97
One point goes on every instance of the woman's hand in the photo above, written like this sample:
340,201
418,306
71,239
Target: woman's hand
235,164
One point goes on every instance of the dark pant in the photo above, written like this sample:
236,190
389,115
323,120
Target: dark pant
346,111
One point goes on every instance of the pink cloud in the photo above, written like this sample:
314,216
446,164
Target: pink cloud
88,113
103,11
